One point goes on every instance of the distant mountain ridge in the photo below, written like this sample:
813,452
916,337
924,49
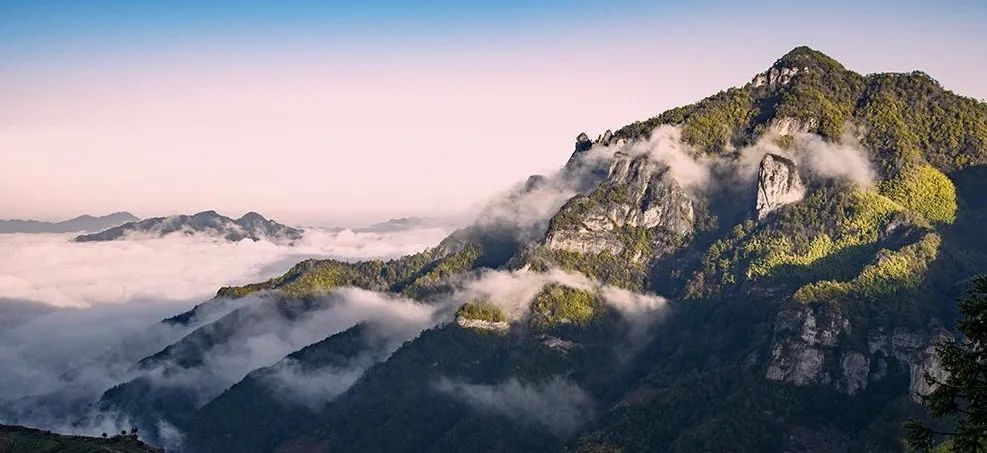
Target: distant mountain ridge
83,223
399,224
251,226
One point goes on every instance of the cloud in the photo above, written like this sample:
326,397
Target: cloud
76,317
266,331
525,209
54,366
685,165
557,404
295,384
51,269
263,332
815,157
513,292
640,310
835,160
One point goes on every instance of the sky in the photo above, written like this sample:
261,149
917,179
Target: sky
335,113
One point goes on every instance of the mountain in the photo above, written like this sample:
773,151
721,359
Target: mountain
251,226
17,439
400,224
767,269
85,223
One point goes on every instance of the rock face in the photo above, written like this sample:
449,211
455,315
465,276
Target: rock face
638,192
809,350
791,126
251,226
776,76
479,324
583,143
778,184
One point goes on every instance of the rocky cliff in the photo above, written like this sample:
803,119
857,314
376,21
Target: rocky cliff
639,193
778,184
813,348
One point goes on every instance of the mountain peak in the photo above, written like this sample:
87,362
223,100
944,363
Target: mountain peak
206,214
252,217
805,57
801,59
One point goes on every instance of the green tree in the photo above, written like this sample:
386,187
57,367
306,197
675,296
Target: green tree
962,395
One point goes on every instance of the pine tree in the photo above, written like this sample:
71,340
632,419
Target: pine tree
962,396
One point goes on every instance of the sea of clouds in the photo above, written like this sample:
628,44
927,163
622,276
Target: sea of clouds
74,317
51,269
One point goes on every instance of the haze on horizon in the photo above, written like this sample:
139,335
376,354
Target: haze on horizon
320,113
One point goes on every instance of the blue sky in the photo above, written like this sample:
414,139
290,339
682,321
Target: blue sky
42,27
134,105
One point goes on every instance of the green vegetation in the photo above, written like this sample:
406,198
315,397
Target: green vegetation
557,305
482,311
447,267
861,218
407,274
824,95
923,190
710,124
906,115
891,272
826,234
17,439
603,266
719,266
905,118
962,394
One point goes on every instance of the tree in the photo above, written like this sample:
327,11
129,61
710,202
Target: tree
962,396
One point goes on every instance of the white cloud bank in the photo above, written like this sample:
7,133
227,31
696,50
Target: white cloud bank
53,270
75,317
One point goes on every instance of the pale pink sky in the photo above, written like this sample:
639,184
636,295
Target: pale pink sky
331,138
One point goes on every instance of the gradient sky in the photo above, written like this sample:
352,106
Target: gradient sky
340,113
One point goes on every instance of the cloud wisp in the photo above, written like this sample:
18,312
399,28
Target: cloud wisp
557,404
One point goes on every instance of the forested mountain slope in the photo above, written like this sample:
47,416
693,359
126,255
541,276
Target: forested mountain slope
767,269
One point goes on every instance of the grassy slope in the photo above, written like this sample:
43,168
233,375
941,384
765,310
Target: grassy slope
17,439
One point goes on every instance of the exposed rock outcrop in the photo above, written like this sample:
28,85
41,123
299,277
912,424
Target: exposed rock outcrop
468,323
778,184
808,350
638,192
583,143
791,126
775,76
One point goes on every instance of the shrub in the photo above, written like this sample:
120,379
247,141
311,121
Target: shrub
557,304
924,190
482,311
890,272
